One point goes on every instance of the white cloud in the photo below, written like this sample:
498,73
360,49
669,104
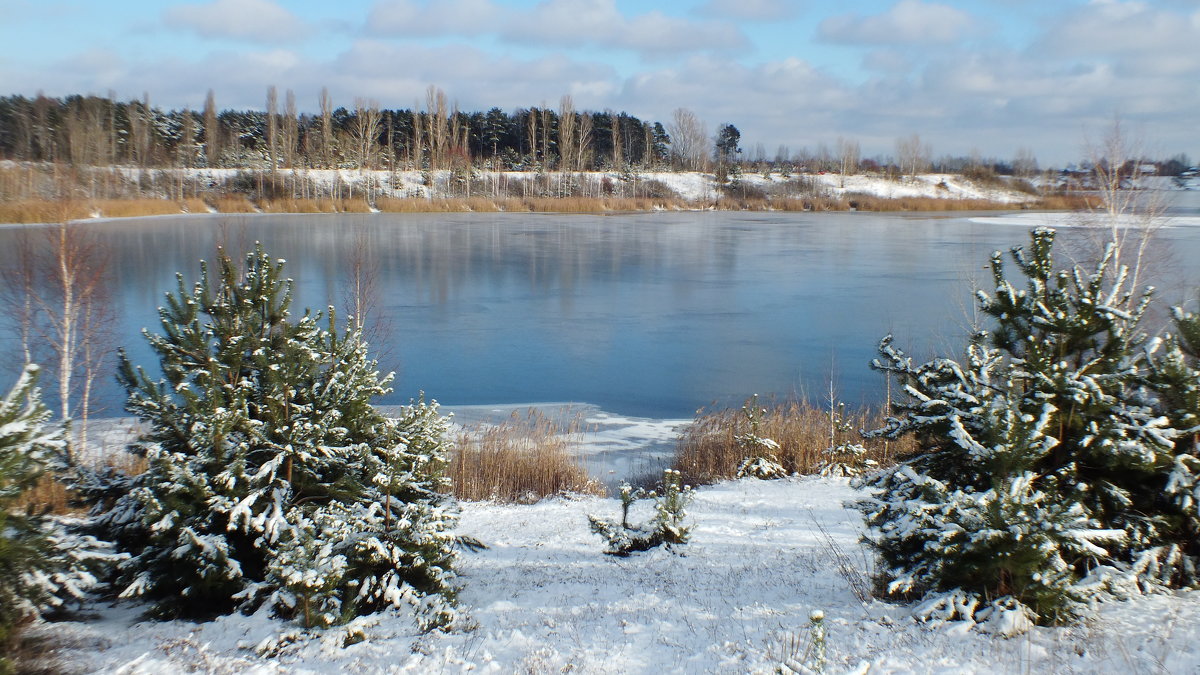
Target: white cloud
1135,35
753,10
408,18
250,20
557,23
907,22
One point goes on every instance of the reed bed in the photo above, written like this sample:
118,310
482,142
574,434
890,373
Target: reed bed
708,450
57,211
41,211
521,460
233,204
297,206
133,208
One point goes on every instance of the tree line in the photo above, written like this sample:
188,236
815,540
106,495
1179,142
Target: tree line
99,131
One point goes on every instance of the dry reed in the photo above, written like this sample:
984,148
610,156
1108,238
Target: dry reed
233,204
521,460
708,450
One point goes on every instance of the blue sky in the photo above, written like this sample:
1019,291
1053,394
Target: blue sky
986,76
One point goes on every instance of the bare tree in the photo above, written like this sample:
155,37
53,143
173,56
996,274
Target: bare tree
848,158
689,140
584,145
618,157
1130,216
140,121
566,134
365,130
531,133
437,129
289,131
187,139
272,129
57,293
1025,164
212,130
361,295
326,128
912,155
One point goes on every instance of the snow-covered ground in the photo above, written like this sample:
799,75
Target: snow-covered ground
737,599
690,186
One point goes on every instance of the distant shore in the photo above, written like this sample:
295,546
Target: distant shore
130,192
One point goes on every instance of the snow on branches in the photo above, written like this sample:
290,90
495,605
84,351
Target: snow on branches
1048,464
271,478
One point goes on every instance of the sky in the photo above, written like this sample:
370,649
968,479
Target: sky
985,77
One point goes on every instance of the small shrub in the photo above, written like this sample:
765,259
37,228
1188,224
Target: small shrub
667,527
760,453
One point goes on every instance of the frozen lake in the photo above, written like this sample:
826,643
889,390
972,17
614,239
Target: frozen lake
644,315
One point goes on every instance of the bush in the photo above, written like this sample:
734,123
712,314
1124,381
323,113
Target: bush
271,479
667,526
1048,474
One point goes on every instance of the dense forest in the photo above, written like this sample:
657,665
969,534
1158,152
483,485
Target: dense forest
98,131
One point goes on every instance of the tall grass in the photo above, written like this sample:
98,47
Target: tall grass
520,460
708,449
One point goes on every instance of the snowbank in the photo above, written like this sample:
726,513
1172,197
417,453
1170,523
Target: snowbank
690,186
736,599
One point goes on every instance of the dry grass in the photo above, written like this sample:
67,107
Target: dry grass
708,450
41,211
233,204
51,496
441,205
133,208
522,460
863,202
57,211
47,496
1066,201
297,205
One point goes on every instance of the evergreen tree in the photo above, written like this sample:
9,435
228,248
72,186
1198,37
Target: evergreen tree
1044,462
271,478
41,565
1175,377
728,138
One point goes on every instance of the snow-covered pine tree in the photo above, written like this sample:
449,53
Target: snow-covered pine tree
1175,378
1043,461
41,565
25,446
271,477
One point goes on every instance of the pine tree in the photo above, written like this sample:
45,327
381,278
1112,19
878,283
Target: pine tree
1044,460
41,565
1175,378
271,478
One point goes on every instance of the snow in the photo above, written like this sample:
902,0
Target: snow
737,598
1062,220
691,186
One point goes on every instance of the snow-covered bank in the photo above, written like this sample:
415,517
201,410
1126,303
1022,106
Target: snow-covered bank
612,447
1065,220
736,599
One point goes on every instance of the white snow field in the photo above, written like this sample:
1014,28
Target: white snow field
736,599
691,186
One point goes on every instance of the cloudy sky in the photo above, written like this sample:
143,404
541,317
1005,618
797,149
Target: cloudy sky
967,75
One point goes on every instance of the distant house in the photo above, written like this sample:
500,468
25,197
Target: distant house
1147,169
